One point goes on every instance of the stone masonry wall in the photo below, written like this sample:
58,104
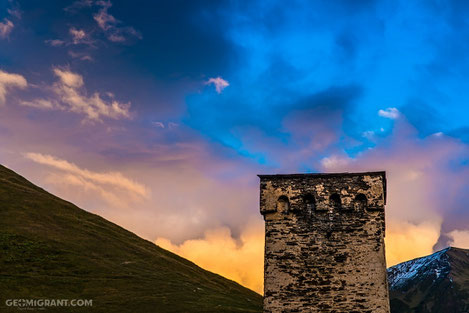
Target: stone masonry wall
324,243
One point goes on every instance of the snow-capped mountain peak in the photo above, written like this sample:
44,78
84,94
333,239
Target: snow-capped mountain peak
438,283
434,266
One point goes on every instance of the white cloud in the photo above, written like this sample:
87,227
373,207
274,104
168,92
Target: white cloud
334,162
459,239
9,81
369,134
68,78
71,93
116,37
87,186
15,13
110,25
391,113
103,18
172,125
5,28
219,83
84,177
80,55
75,6
79,36
158,124
55,42
40,104
113,29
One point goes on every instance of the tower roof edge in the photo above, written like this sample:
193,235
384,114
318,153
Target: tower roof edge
301,175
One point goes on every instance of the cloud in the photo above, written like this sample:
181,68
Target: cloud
391,113
87,179
368,134
172,125
335,161
77,5
69,78
459,239
158,124
240,260
69,94
76,184
426,179
219,83
294,130
185,175
407,241
80,55
79,36
15,13
103,18
5,28
110,25
55,42
40,104
9,81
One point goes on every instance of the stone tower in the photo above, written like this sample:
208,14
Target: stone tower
324,242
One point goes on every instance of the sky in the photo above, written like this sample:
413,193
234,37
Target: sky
159,115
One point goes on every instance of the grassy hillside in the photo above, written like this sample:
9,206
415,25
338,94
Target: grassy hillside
52,249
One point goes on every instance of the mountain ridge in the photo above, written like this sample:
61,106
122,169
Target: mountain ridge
437,283
53,249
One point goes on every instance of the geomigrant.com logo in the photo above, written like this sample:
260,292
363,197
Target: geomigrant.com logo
45,303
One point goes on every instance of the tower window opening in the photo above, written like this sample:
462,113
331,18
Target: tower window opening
283,204
310,204
360,202
335,201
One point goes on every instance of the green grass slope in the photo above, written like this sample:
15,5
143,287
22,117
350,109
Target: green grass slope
49,248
